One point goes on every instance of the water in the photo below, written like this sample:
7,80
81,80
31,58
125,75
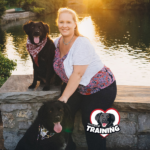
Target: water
121,39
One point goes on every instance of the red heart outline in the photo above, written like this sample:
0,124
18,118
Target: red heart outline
105,112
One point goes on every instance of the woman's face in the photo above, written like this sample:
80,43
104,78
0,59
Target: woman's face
66,24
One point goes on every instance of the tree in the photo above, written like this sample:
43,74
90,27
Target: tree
2,7
11,2
19,2
28,4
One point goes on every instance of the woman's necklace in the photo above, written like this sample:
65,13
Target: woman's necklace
68,42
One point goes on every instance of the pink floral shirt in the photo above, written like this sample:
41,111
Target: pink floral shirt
99,81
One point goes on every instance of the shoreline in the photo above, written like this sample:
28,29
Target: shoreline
9,17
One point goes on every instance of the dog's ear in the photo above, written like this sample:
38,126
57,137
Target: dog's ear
97,117
26,27
46,27
112,117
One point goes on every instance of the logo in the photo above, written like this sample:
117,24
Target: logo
104,122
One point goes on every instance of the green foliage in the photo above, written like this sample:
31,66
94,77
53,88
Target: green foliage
2,7
6,66
17,3
38,10
11,2
44,6
38,6
118,4
51,5
28,5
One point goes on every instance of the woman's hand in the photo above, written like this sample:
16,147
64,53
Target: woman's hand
73,82
63,99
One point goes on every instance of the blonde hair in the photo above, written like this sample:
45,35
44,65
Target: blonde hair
74,16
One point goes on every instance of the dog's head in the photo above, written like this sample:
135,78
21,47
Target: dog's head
55,116
105,119
36,31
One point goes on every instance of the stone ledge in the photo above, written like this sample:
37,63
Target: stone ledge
15,90
131,107
30,97
134,94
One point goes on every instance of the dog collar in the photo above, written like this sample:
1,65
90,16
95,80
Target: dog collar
44,133
35,49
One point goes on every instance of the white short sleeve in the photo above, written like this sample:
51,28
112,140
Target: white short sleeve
56,41
83,52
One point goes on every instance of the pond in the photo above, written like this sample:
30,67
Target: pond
121,39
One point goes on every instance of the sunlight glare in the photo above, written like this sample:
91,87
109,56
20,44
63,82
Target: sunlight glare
87,28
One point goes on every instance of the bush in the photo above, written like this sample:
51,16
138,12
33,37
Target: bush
31,5
51,5
2,8
6,66
28,5
37,10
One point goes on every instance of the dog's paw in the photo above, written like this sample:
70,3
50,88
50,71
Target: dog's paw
31,86
46,88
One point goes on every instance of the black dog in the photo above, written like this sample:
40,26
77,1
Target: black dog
105,120
43,68
50,130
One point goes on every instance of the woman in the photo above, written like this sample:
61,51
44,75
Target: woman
88,84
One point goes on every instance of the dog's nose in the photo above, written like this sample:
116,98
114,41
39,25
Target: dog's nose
104,119
36,32
57,117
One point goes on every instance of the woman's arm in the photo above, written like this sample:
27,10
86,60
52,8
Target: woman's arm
74,80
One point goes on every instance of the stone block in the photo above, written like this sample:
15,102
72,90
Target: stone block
11,138
77,121
12,107
8,120
123,115
144,123
121,141
78,127
35,115
128,127
25,114
37,106
1,132
144,142
133,117
24,125
21,119
79,139
81,128
30,122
